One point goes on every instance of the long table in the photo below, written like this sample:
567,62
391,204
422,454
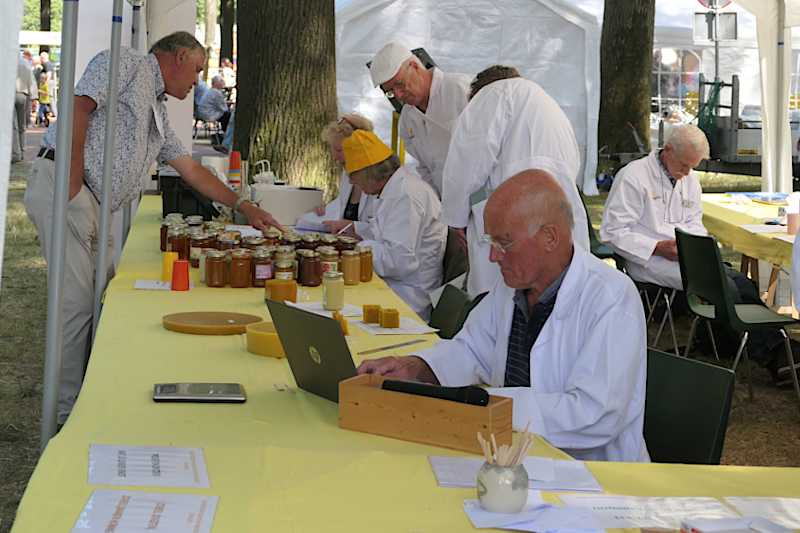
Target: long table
723,217
279,462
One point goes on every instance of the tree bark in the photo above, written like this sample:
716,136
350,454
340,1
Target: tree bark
286,87
227,18
44,21
210,32
626,65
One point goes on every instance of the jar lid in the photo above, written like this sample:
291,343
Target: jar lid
333,275
227,239
363,249
329,238
349,253
273,232
254,239
284,249
284,263
344,239
305,253
291,237
327,250
218,254
194,219
174,231
199,235
310,237
173,216
262,253
241,252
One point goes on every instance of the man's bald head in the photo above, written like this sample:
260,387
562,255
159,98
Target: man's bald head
529,221
533,198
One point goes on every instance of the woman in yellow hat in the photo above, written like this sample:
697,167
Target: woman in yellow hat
407,235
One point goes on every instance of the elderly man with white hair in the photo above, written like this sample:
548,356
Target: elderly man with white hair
213,107
432,100
653,196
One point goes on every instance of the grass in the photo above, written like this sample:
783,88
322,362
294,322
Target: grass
764,432
23,306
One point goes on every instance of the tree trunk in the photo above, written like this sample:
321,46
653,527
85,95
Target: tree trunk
286,87
227,17
626,64
44,21
210,32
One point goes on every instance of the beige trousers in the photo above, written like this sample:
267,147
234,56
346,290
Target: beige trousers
83,214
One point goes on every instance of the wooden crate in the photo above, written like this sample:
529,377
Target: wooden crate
365,406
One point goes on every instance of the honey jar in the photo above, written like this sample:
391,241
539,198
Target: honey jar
329,259
332,291
351,267
365,254
216,265
240,273
262,266
253,242
178,241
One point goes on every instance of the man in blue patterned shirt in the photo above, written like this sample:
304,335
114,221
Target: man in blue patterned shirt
143,135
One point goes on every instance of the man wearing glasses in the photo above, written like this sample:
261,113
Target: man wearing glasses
562,334
651,197
432,102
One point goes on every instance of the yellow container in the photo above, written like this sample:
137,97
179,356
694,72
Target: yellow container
262,339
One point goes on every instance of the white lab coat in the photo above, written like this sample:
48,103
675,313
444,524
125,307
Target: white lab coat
588,365
334,210
408,238
642,209
509,126
427,134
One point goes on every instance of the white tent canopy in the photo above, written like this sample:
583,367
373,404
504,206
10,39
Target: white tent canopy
774,20
549,41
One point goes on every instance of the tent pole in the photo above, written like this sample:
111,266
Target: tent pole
54,343
136,24
108,164
780,106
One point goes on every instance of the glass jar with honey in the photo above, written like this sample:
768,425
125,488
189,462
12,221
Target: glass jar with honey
351,267
365,254
216,266
240,274
262,266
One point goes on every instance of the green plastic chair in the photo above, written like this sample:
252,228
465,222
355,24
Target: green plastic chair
709,298
452,311
598,249
687,404
455,261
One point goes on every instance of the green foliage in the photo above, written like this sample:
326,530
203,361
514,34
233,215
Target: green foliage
30,16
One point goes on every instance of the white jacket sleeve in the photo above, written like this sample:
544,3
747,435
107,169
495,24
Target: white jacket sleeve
601,389
395,235
473,154
465,359
411,147
624,209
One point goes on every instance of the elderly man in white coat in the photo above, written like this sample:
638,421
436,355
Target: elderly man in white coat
510,125
649,199
655,195
407,235
432,100
562,333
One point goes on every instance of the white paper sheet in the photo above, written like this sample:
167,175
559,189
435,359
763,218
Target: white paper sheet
453,471
349,310
785,237
747,523
155,285
311,222
481,518
246,231
147,466
131,511
543,473
764,228
782,511
634,511
407,327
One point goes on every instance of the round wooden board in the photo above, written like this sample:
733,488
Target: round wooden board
209,322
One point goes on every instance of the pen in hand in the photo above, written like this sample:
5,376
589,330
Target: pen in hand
347,227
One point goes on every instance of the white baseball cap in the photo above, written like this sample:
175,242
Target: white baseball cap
387,62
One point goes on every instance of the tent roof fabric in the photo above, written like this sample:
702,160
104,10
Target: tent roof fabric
549,41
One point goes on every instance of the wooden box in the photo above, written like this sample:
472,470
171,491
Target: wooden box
365,406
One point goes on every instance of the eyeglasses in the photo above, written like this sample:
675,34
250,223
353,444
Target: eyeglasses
499,247
399,84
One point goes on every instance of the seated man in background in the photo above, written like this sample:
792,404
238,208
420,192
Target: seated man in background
213,107
407,234
562,333
649,199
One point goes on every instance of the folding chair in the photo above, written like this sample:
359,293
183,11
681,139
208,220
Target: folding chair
709,297
687,404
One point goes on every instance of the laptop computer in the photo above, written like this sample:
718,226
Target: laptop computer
315,348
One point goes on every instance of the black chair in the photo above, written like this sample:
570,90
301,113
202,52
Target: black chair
709,297
598,249
452,310
686,410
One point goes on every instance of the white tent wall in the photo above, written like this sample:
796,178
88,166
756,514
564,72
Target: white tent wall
549,41
9,57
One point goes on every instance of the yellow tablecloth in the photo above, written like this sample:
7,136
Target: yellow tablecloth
278,462
723,217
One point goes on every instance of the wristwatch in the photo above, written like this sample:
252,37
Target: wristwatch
239,203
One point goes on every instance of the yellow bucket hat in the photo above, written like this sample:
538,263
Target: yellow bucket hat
363,149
